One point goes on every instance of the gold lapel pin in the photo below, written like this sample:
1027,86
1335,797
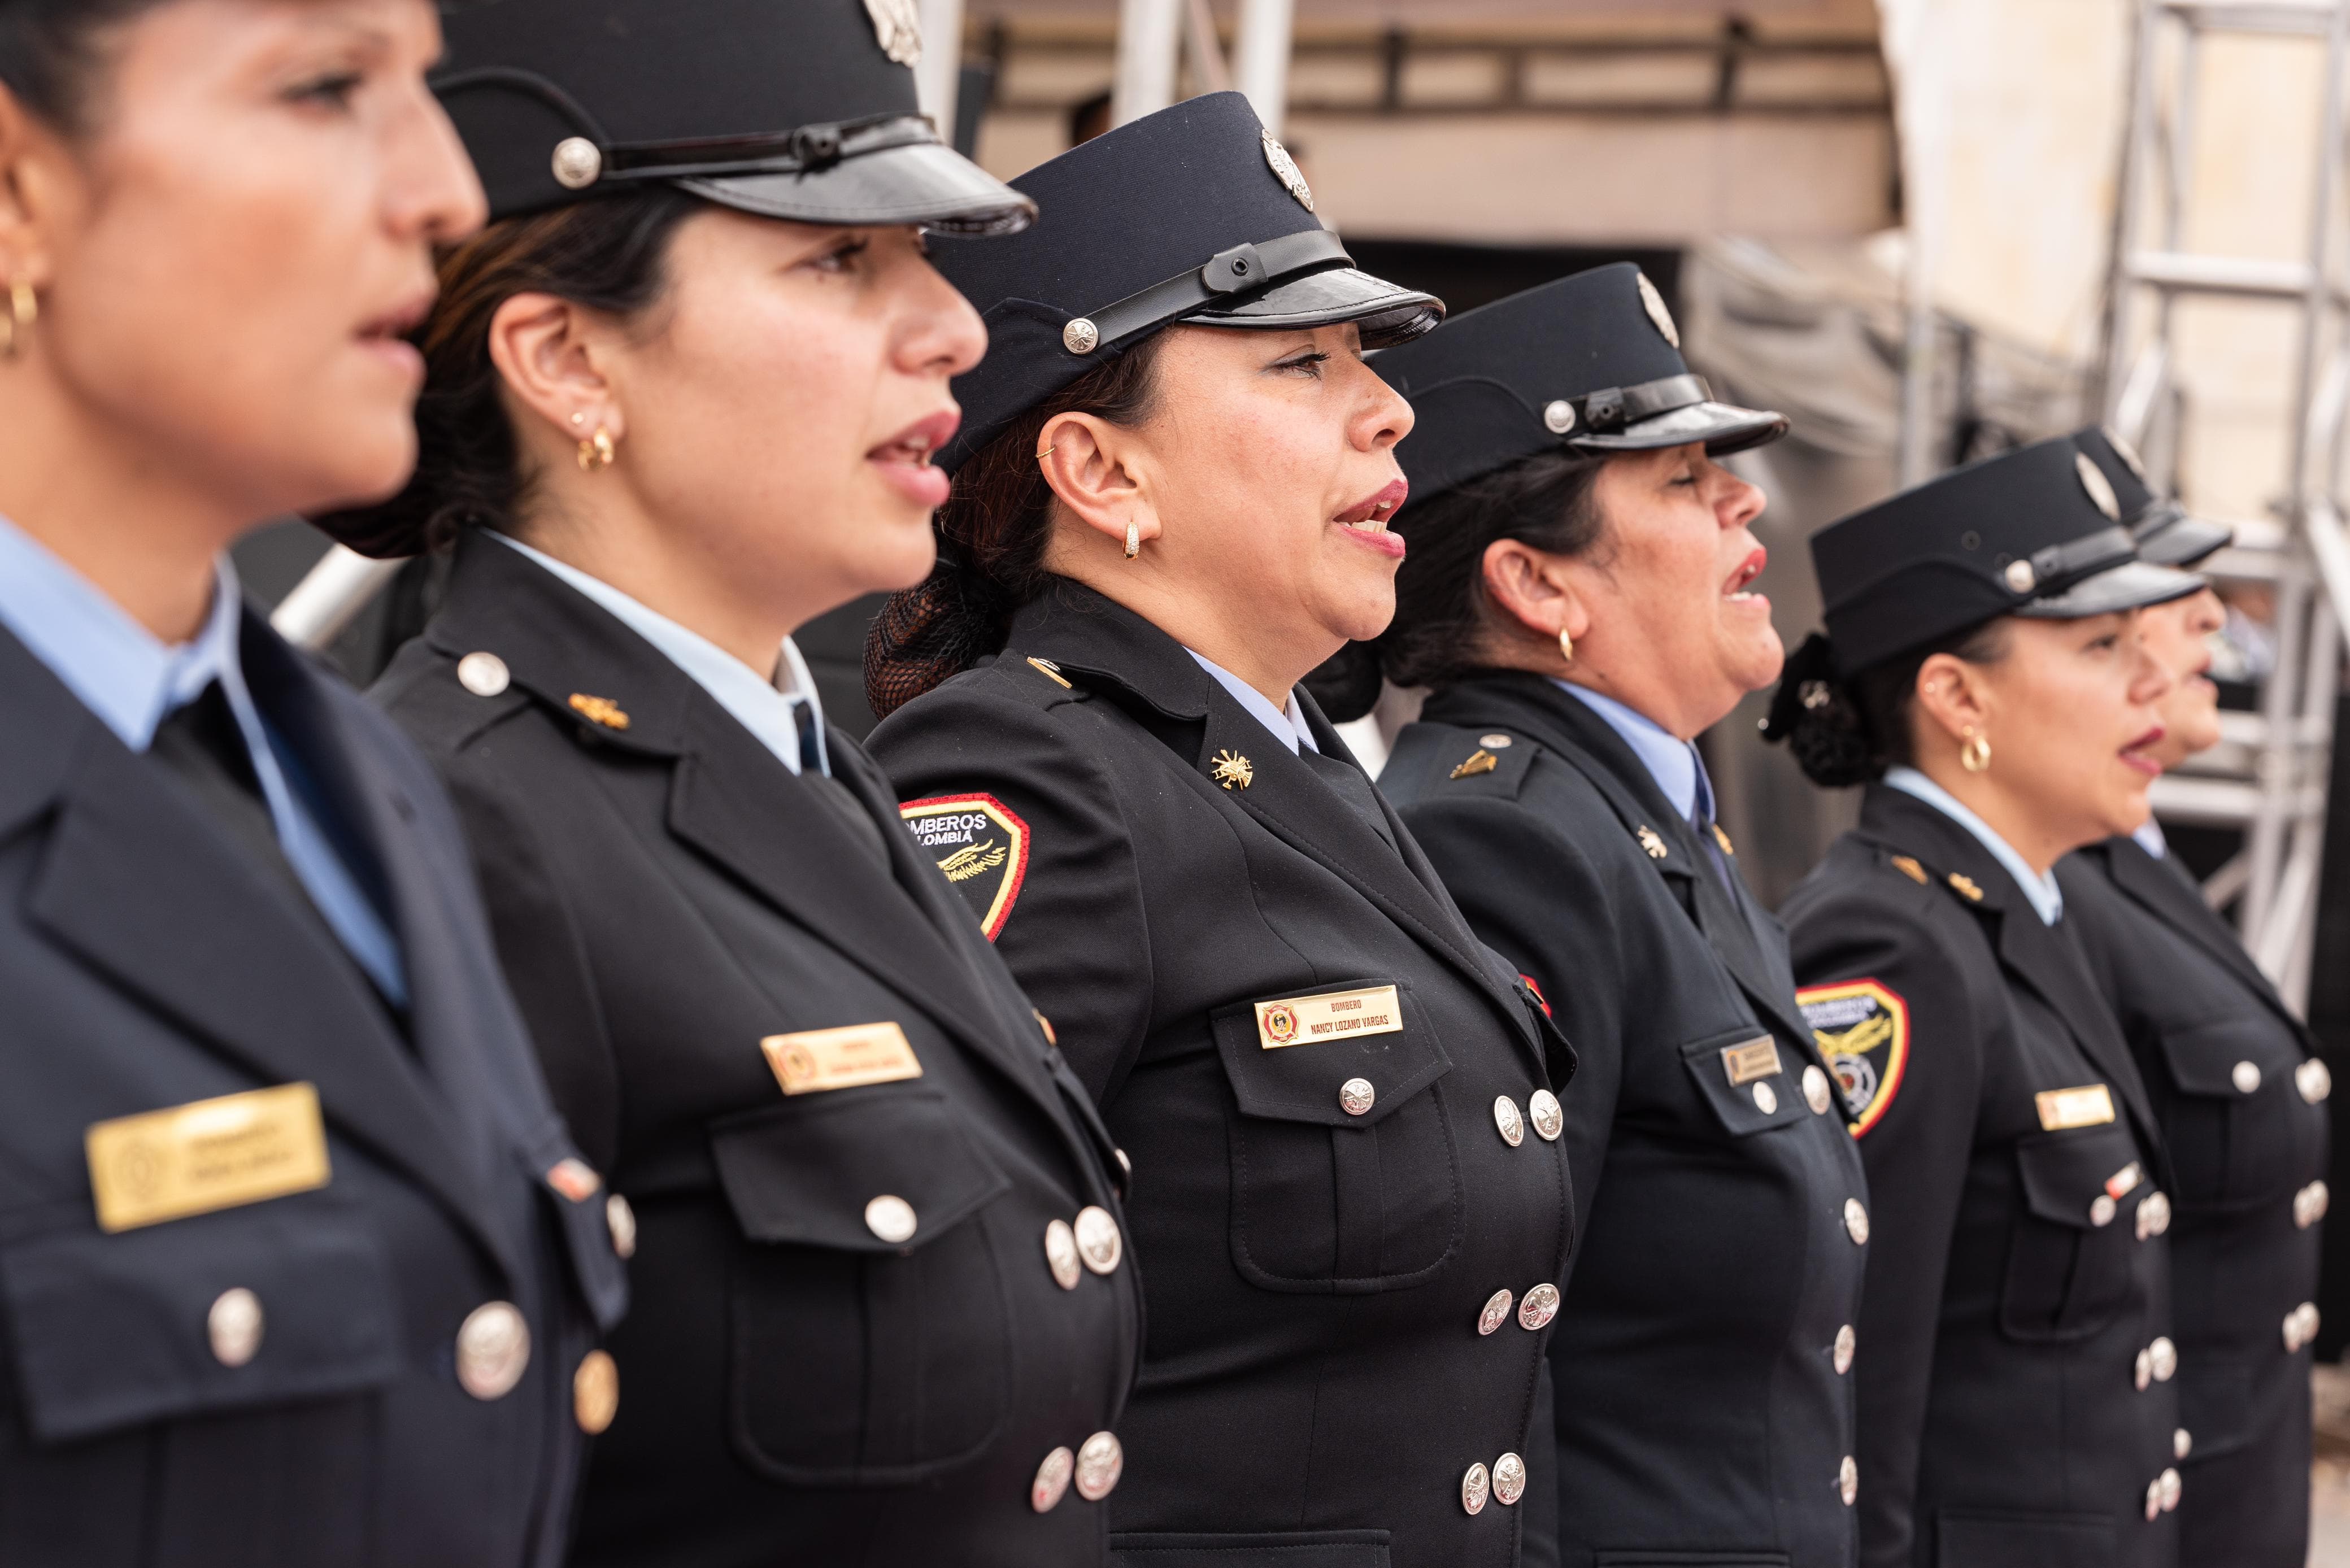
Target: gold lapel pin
599,709
1723,839
1480,762
1233,771
1651,843
1910,868
1051,671
1967,888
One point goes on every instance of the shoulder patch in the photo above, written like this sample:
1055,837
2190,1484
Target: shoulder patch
1863,1029
981,846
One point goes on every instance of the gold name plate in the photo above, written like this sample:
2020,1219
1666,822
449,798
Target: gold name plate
2084,1107
817,1060
213,1154
1756,1059
1304,1020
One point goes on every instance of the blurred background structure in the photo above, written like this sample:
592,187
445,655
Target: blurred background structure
1926,229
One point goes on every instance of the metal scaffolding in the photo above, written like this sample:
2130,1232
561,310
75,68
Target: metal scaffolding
2268,777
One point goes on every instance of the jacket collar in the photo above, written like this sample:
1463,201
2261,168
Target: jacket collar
2164,892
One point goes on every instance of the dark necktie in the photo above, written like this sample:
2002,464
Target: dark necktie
1349,784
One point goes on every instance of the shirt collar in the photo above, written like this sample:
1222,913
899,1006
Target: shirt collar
768,708
126,675
1289,728
2047,902
2149,838
1672,762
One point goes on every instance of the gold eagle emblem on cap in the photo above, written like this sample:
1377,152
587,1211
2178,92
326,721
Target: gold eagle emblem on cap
1233,770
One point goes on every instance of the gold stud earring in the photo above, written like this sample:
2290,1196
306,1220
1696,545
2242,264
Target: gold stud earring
1566,646
596,454
24,309
1974,752
1133,538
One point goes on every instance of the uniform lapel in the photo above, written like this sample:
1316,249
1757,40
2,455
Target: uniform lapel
2167,894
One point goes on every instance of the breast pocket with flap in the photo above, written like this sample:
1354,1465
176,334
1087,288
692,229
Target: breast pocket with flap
2069,1266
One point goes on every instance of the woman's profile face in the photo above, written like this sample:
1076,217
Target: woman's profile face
783,402
2174,635
229,252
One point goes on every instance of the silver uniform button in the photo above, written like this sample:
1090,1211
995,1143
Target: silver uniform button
1496,1312
2154,1499
2153,1215
1100,1461
2300,1326
483,674
621,1221
2142,1370
1856,1221
1766,1099
1558,416
1538,1306
2314,1079
1847,1342
1061,1257
1099,1241
1494,742
1847,1480
1816,1090
1052,1482
1544,1110
578,164
2172,1487
1476,1486
2101,1209
493,1350
2309,1204
1507,1118
2246,1077
234,1325
1355,1096
1080,336
2182,1443
890,1218
2163,1359
1509,1479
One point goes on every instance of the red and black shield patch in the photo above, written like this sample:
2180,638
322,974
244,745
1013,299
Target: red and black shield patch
980,846
1863,1029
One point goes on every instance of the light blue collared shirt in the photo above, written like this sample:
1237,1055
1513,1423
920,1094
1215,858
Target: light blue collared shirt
2047,902
1672,762
132,682
2149,838
769,708
1289,728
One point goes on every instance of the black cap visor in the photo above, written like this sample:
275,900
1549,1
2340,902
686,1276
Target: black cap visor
1724,428
2132,584
924,182
2171,535
1388,312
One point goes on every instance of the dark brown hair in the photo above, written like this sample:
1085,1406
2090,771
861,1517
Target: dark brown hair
610,255
53,55
992,535
1847,729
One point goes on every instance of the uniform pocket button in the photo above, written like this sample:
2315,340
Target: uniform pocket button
1509,1479
493,1350
1476,1486
595,1392
2101,1209
1856,1221
1099,1241
1052,1482
1816,1091
1766,1099
1539,1305
1512,1125
1548,1117
1496,1312
1061,1256
1847,1342
234,1325
1355,1097
2246,1077
1100,1464
890,1218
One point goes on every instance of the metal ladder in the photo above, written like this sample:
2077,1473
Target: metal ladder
2269,774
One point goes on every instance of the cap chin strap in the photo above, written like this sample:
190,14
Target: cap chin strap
1243,269
2059,567
1611,409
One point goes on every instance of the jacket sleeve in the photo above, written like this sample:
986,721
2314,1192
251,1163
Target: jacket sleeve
1917,1148
1074,929
1535,897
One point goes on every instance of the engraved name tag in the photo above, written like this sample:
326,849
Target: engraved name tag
1756,1059
2084,1107
817,1060
1304,1020
213,1154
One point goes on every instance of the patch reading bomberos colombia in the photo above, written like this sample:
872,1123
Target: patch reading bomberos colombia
1334,1014
979,844
1863,1029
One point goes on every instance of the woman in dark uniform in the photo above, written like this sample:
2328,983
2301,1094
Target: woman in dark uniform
1577,594
1171,504
682,398
1983,672
297,1265
2237,1085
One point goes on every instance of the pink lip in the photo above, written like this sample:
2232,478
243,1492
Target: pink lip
1381,503
1748,570
2134,756
387,335
905,462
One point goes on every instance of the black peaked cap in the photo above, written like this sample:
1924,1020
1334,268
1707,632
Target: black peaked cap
803,111
1191,214
2168,534
1591,362
2036,532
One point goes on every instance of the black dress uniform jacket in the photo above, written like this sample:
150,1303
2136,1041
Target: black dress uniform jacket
1316,1388
1702,1404
667,896
2249,1147
2016,1407
156,953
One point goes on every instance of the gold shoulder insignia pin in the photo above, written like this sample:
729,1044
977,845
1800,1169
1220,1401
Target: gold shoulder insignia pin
1651,842
599,709
1052,671
1480,762
1910,868
1233,771
1723,839
1967,888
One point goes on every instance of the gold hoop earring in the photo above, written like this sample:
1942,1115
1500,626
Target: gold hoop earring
1133,538
24,309
1048,452
597,453
1566,646
1974,752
